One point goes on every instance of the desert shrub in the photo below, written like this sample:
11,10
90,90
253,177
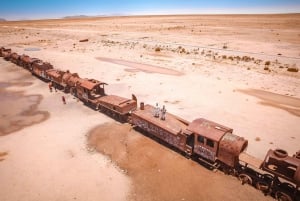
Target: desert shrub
224,56
293,69
246,58
266,68
157,49
267,63
225,46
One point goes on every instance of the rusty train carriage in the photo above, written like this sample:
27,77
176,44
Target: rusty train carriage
89,90
5,53
39,68
69,81
278,175
279,163
171,130
55,76
15,58
117,106
26,61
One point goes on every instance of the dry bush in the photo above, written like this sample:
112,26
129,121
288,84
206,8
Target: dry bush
225,46
267,63
182,50
266,68
238,58
257,139
224,56
293,69
231,58
246,58
157,49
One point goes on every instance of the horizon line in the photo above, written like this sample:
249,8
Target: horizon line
80,16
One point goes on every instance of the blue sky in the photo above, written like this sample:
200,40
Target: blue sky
40,9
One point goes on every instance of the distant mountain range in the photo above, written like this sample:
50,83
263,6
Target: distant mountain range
2,19
87,16
76,16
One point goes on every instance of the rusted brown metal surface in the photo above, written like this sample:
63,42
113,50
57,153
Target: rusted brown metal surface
26,61
69,81
39,68
15,58
230,148
208,136
279,163
171,130
89,90
117,104
2,50
55,76
6,54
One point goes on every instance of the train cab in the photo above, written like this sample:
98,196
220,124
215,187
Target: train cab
213,142
89,90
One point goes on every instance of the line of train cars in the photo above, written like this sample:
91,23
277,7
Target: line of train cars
207,142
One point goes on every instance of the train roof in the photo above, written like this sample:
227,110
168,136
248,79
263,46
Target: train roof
90,83
208,129
54,73
116,100
172,123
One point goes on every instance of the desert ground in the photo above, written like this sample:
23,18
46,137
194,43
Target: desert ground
237,70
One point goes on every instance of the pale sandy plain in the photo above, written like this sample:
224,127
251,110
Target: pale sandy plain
206,66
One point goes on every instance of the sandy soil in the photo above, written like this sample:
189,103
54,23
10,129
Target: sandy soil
229,69
161,174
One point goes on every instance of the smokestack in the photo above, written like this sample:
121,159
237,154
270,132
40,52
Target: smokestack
142,106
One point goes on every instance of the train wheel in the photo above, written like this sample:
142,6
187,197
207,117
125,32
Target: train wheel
245,179
282,196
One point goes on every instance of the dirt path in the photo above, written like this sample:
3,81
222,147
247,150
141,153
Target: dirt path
161,174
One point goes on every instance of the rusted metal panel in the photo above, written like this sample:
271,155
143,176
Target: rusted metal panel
279,163
4,51
116,103
208,129
15,58
169,130
39,68
6,54
26,61
55,75
91,84
230,148
171,124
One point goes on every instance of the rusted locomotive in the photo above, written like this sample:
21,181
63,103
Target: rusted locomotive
26,61
208,142
5,53
39,69
15,58
92,93
204,139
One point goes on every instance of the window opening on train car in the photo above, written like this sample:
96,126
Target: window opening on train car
210,143
190,140
201,139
